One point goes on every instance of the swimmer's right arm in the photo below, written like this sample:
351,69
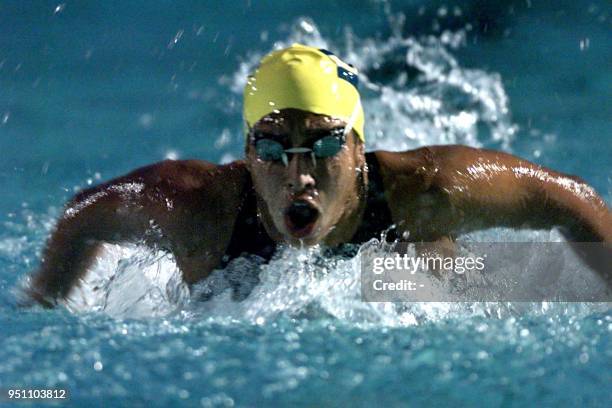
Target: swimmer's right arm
443,191
186,207
446,190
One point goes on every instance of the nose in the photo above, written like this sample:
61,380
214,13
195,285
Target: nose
299,171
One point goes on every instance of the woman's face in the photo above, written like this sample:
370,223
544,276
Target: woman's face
303,195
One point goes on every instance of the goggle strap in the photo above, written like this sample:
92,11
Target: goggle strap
353,118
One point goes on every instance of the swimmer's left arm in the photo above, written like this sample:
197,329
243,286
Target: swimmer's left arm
445,190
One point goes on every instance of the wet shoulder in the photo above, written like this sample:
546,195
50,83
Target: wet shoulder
413,169
420,169
178,176
189,186
198,185
188,175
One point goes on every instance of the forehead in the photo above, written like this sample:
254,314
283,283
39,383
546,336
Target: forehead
292,118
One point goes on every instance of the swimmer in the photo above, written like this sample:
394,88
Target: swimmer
305,180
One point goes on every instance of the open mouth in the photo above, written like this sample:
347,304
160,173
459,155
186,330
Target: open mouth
300,218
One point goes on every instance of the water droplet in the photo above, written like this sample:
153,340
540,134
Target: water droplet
306,26
585,43
146,120
171,155
176,39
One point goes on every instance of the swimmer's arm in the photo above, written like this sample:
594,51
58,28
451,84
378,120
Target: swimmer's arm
187,207
446,190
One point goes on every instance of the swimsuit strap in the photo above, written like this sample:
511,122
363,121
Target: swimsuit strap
249,235
377,216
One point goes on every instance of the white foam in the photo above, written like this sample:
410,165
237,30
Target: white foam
132,281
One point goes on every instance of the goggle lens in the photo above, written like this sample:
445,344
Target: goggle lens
327,146
269,150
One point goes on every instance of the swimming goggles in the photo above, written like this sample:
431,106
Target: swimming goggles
270,150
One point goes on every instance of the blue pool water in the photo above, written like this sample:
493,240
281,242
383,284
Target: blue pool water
89,91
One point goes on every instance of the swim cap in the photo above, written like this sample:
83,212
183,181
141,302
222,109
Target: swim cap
305,78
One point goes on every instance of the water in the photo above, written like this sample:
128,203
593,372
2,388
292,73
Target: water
89,92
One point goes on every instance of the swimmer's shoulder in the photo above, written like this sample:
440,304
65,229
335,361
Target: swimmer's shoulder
406,169
428,158
423,167
424,175
189,186
190,175
196,203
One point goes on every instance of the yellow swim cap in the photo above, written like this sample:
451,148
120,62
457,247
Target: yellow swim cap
305,78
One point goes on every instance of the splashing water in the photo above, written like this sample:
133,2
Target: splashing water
136,282
425,97
428,98
414,91
301,331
